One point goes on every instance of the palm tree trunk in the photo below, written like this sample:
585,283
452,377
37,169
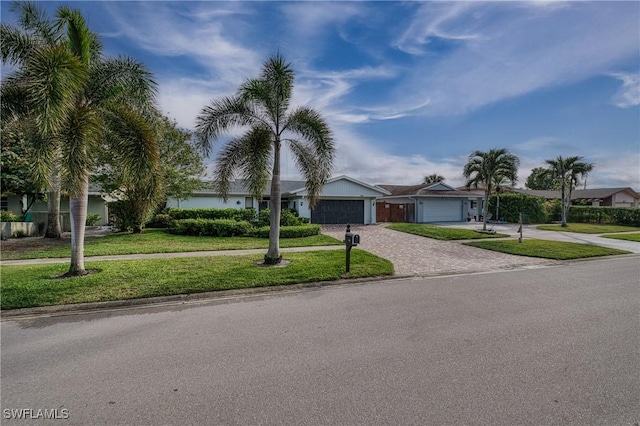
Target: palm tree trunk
54,230
78,209
563,222
273,256
485,210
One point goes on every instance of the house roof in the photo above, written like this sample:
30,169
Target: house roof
376,188
579,194
434,189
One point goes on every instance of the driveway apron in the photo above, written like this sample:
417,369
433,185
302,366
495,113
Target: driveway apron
413,255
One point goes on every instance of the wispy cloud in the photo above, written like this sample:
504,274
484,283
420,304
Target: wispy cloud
629,93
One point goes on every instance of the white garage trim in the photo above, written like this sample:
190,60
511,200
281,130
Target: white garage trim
439,210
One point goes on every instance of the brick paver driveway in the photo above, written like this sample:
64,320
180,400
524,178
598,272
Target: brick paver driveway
421,256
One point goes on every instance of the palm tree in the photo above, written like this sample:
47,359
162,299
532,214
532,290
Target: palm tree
484,168
78,99
262,106
567,171
433,178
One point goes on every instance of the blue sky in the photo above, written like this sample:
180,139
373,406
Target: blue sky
409,88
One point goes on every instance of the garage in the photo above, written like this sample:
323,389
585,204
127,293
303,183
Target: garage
442,210
338,211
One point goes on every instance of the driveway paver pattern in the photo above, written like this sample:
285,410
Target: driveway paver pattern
413,255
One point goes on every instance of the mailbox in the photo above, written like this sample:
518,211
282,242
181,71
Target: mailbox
350,240
356,240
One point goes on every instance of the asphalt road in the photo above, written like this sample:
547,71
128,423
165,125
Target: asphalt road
553,345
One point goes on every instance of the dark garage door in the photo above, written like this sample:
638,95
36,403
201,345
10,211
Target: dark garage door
338,211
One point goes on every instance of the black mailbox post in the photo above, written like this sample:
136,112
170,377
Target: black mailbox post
350,240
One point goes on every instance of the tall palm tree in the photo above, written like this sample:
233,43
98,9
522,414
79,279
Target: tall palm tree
568,171
262,106
78,99
484,168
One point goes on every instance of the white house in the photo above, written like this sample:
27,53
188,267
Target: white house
343,200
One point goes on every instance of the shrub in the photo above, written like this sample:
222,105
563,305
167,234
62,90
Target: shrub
511,205
20,234
247,215
160,220
7,216
92,218
209,227
624,216
553,209
287,218
299,231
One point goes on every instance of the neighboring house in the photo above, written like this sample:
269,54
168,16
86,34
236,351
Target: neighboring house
611,197
437,202
342,200
38,213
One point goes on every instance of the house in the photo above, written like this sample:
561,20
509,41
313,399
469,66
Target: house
97,204
610,197
423,203
342,200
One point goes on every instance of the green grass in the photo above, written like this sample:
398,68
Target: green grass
157,241
30,286
441,233
627,237
546,249
588,228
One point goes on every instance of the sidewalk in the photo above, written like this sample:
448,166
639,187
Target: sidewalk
168,255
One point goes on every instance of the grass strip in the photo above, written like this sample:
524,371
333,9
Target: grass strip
156,241
30,286
441,233
588,228
626,237
557,250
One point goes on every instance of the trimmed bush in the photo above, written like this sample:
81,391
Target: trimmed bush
92,218
7,216
160,220
624,216
287,218
511,205
553,209
210,227
299,231
247,215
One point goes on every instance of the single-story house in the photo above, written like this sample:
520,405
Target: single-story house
423,203
342,200
97,204
611,197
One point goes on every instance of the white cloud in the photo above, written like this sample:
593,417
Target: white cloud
629,93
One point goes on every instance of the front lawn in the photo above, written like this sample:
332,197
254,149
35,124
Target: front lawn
588,228
557,250
441,233
29,286
627,237
150,241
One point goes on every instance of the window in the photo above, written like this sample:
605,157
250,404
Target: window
4,204
248,202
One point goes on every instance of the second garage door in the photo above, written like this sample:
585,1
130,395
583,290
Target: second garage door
442,211
338,211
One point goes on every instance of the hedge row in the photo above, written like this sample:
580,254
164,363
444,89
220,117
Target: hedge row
511,205
232,228
298,231
209,227
248,215
624,216
7,216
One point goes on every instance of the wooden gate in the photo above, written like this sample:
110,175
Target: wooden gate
389,212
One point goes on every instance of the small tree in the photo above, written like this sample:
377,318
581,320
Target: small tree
541,179
433,178
262,107
484,168
568,172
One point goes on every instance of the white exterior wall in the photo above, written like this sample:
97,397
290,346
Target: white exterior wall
345,188
209,202
622,199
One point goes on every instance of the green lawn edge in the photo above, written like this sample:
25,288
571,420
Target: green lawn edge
556,250
626,237
33,285
156,241
588,228
441,233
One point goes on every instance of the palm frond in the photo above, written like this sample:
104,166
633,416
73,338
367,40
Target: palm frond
308,123
122,80
219,116
312,167
79,38
15,46
35,21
